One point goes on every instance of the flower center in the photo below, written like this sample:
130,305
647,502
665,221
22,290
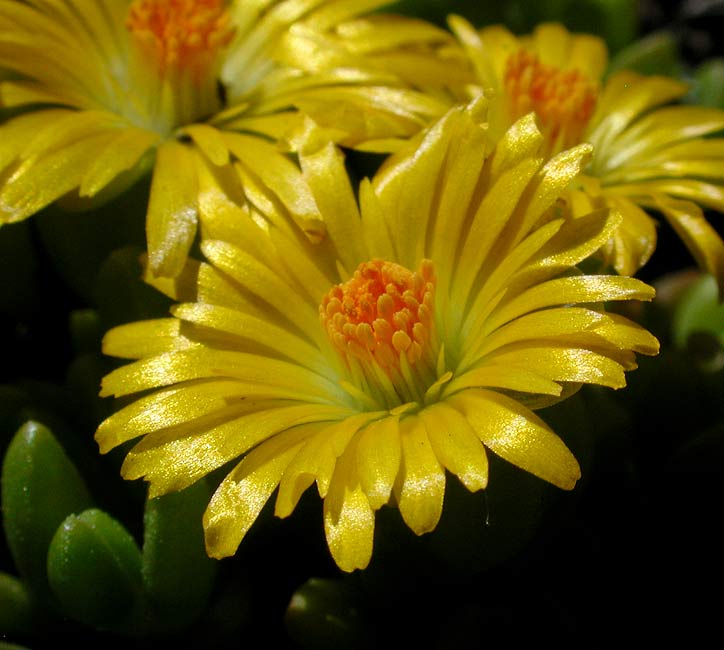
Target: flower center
563,100
180,34
381,322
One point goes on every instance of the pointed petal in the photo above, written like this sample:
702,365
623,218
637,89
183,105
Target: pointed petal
172,209
519,436
349,521
421,485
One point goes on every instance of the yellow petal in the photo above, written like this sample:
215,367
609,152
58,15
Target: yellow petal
172,209
561,291
264,283
403,186
171,459
242,494
40,181
324,171
701,239
378,459
119,155
516,434
634,241
563,363
18,131
316,460
492,217
257,331
709,195
276,170
550,182
166,408
210,141
349,521
223,209
627,335
148,338
625,96
421,484
182,287
495,375
263,375
538,325
456,446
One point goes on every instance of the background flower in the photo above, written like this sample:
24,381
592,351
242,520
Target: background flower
193,90
651,156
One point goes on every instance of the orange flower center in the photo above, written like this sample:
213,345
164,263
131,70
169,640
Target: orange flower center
381,321
564,100
183,35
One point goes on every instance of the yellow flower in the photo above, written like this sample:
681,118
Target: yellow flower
195,89
648,156
441,307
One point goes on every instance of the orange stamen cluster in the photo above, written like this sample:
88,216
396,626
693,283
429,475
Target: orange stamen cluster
180,34
564,100
382,312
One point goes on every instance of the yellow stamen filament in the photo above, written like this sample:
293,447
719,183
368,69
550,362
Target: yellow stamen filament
381,322
564,100
180,34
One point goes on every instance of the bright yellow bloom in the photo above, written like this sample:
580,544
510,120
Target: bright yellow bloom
195,89
441,307
648,156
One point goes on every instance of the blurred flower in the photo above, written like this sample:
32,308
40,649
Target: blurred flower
442,306
193,89
648,156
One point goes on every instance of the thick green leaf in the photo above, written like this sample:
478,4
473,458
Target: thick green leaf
16,609
94,569
709,83
322,614
698,323
19,261
177,573
120,292
77,243
656,53
40,488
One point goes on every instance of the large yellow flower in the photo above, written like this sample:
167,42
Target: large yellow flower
441,307
196,89
648,156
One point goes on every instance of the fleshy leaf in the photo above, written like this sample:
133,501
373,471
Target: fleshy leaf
177,573
16,610
94,569
40,488
322,615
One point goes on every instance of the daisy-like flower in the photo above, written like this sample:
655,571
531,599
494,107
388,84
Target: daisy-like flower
650,155
441,308
194,89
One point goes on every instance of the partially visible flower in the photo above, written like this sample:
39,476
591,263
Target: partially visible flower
649,156
441,308
195,89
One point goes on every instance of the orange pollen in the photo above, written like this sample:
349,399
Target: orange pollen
180,34
382,312
564,100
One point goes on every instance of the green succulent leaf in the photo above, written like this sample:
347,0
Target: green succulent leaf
94,569
697,324
177,573
16,609
657,53
709,83
322,614
120,292
40,488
